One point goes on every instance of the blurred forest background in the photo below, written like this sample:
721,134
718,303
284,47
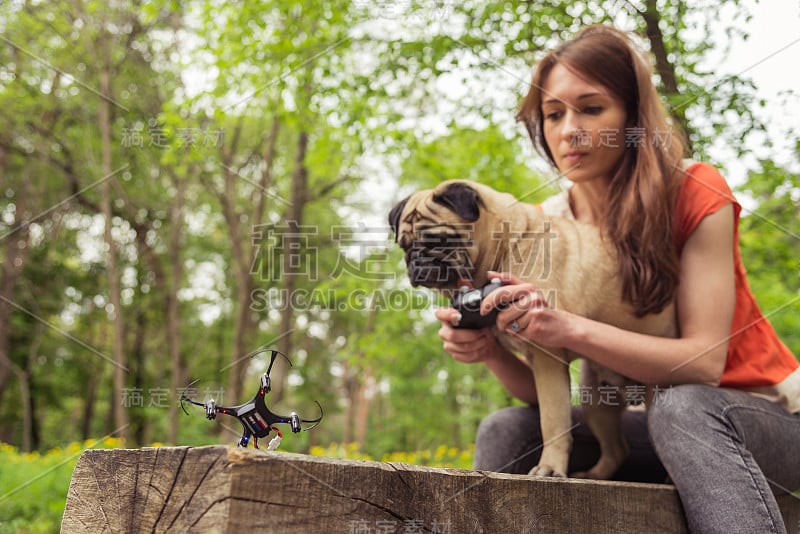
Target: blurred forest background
182,183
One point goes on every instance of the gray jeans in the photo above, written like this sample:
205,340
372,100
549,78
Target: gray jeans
725,450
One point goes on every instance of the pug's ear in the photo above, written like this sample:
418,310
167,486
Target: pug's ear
461,199
394,216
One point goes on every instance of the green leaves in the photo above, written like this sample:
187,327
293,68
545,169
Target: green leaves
212,99
770,240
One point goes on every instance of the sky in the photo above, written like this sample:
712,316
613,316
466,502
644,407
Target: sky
770,57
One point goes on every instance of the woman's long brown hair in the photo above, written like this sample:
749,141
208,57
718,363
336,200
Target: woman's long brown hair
643,191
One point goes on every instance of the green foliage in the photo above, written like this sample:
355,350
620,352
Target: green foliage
770,241
485,156
34,486
387,104
701,101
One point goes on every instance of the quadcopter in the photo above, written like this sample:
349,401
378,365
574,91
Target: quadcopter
257,420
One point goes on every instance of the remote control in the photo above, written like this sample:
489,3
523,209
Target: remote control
468,303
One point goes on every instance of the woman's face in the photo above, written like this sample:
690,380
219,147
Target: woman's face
584,126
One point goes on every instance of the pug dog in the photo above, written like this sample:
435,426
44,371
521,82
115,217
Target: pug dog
460,230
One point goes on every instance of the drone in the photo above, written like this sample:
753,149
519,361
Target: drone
257,420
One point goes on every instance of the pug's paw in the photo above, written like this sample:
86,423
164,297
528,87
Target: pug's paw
544,470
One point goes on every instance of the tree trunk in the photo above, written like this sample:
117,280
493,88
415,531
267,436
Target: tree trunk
260,200
87,414
362,408
665,69
138,421
173,315
291,243
358,382
16,255
243,322
30,433
120,416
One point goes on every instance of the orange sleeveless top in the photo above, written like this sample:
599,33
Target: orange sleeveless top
758,362
757,359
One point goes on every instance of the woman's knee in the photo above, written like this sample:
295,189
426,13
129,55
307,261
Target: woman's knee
502,435
507,423
684,407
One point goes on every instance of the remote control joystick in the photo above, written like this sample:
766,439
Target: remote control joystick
468,303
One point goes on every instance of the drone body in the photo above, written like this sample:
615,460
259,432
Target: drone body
256,418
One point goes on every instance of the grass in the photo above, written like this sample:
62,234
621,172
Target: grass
442,456
33,485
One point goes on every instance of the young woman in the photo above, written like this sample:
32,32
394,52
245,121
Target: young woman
728,429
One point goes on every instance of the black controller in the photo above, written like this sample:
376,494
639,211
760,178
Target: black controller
468,303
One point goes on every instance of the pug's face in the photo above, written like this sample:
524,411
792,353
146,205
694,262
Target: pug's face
437,230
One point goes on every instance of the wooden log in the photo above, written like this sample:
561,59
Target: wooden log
228,489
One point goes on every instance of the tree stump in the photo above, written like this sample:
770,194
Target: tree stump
228,489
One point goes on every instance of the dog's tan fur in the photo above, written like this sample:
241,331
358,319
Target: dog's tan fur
570,262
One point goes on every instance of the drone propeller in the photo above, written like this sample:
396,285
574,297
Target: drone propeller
272,360
187,399
314,422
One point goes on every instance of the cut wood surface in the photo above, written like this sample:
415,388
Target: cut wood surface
229,489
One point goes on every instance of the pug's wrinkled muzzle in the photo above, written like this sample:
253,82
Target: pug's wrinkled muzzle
436,267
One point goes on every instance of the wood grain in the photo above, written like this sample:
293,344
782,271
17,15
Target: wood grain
228,489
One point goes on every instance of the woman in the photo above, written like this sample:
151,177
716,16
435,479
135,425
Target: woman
730,424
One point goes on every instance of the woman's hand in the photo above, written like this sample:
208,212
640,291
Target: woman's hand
472,346
528,314
467,346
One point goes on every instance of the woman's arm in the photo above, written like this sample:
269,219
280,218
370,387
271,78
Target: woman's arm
705,304
471,346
